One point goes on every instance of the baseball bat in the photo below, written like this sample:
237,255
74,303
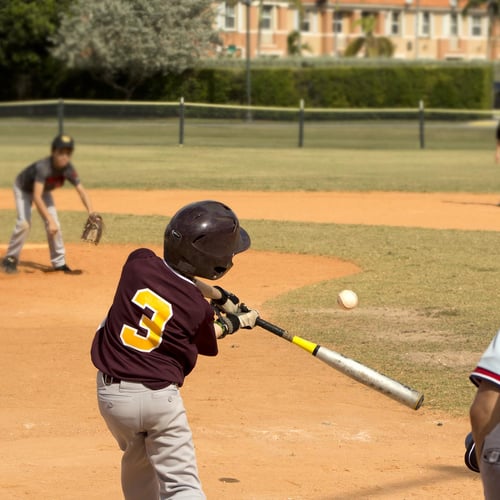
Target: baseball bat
357,371
353,369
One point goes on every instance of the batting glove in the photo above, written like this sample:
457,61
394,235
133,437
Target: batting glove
228,302
231,323
247,319
470,458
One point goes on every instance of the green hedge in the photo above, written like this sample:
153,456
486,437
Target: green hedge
356,84
457,87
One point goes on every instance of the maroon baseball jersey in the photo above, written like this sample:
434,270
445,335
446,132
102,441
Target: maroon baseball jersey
157,325
43,171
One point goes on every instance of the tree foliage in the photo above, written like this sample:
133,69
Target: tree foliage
493,10
493,6
374,46
124,42
25,26
295,47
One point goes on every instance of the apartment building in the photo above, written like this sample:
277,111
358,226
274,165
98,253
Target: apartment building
418,29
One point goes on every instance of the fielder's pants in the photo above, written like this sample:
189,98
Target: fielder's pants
152,430
490,465
24,202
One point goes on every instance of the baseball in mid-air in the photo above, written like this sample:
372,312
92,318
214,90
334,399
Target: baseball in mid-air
347,299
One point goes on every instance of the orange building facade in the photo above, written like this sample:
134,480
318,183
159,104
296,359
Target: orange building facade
418,29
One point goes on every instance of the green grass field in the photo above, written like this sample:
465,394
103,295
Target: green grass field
429,303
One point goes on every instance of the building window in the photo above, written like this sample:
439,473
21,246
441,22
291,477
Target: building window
453,24
229,18
425,26
266,20
306,22
476,23
337,21
395,28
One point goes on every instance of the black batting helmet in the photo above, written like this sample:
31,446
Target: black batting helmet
63,141
202,238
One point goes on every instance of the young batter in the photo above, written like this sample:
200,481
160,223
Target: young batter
157,325
485,418
34,184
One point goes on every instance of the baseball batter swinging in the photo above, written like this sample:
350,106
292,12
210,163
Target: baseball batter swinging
157,325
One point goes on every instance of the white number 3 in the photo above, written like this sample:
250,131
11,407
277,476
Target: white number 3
150,339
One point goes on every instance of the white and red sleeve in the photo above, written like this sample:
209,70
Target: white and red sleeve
488,367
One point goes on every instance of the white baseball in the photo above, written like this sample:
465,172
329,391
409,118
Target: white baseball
347,299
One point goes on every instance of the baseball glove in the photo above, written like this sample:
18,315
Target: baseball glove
92,230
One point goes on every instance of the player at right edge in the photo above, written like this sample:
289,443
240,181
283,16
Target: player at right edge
157,325
485,421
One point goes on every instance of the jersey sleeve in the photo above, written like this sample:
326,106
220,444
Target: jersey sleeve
141,253
488,367
42,171
205,339
72,175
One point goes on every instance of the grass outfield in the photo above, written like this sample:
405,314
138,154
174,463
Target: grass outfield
262,156
429,303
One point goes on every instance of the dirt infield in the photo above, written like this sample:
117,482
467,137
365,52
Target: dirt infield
269,423
434,210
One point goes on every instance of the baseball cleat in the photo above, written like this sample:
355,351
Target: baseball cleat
67,270
9,265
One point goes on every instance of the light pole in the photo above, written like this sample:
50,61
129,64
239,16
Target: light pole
336,22
248,3
417,26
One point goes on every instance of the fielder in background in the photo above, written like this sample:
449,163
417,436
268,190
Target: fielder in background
485,418
158,324
34,184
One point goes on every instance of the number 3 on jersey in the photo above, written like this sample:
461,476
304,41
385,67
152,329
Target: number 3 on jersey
153,326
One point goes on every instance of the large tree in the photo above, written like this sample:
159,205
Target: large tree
124,42
25,26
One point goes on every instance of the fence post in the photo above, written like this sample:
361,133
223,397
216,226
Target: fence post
301,124
181,122
421,124
60,116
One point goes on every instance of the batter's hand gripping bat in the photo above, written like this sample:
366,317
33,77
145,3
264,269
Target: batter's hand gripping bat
353,369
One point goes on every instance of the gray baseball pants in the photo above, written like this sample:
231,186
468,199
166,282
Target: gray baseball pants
490,465
24,203
152,430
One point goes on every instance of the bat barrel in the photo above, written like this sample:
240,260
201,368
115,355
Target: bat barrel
372,378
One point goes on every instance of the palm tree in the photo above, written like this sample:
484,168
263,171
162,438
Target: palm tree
294,39
374,46
493,10
295,47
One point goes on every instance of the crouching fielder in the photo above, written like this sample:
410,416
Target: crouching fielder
157,325
485,418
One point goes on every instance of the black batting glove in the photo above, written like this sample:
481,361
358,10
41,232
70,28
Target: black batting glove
470,458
